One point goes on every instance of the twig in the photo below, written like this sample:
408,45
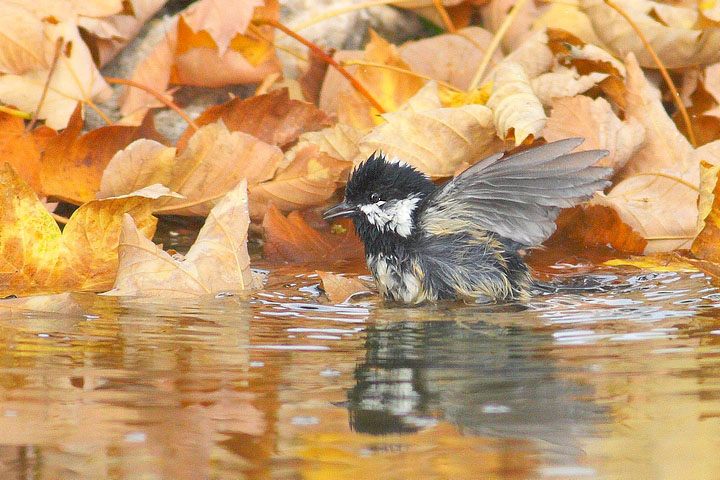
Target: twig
157,95
497,38
401,70
663,70
16,113
444,15
327,58
58,45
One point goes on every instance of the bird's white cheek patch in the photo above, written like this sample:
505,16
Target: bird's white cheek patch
401,215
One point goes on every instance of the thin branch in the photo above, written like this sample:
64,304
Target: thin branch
56,56
327,58
401,70
497,38
444,15
663,70
164,99
16,113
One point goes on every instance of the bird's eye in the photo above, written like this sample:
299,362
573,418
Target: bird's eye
374,197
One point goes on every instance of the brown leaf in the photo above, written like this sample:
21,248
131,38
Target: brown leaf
455,56
22,149
72,165
21,40
213,164
309,180
581,116
707,243
435,141
217,261
292,239
273,118
339,289
221,19
596,226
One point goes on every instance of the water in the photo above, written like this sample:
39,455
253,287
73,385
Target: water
617,385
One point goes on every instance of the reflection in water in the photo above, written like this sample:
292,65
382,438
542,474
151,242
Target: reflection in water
488,380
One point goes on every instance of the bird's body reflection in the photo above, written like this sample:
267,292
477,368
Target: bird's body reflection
487,380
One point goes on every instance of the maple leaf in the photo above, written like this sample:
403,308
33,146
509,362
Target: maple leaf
72,165
36,257
595,121
217,261
22,149
273,117
221,19
707,242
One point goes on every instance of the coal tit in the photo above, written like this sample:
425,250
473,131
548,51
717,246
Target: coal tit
462,240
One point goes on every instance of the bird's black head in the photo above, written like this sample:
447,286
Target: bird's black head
382,197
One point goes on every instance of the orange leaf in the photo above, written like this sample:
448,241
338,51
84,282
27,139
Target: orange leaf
292,239
22,149
273,118
72,165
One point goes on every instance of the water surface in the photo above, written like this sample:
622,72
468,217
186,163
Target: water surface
279,385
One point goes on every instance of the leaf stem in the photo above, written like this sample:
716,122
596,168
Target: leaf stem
497,38
444,15
58,45
663,70
327,58
16,113
163,98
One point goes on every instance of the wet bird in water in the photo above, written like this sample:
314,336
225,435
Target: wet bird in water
462,240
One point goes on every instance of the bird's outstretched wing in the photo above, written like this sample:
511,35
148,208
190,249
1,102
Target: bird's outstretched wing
518,197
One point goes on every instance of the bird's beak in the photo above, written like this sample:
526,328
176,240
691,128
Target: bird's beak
343,209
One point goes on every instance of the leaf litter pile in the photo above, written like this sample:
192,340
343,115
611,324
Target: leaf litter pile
636,77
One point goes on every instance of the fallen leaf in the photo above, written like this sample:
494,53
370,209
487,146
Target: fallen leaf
273,118
565,82
435,141
21,33
564,16
670,30
213,163
517,112
22,149
72,165
217,261
309,180
494,14
659,262
340,141
533,54
221,19
292,239
74,79
706,245
390,88
339,289
455,56
595,121
595,226
36,257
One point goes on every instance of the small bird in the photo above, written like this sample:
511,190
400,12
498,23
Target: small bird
462,240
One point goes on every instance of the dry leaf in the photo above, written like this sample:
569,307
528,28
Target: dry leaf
340,141
74,79
517,112
22,149
564,82
221,19
213,164
339,289
595,121
273,118
564,16
72,165
706,245
22,46
533,54
390,88
309,180
671,31
494,13
435,141
217,261
292,239
62,303
36,257
452,58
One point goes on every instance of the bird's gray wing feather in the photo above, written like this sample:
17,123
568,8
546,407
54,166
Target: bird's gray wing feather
518,197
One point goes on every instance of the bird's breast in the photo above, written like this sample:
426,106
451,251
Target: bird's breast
397,279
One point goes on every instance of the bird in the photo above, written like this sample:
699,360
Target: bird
464,239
